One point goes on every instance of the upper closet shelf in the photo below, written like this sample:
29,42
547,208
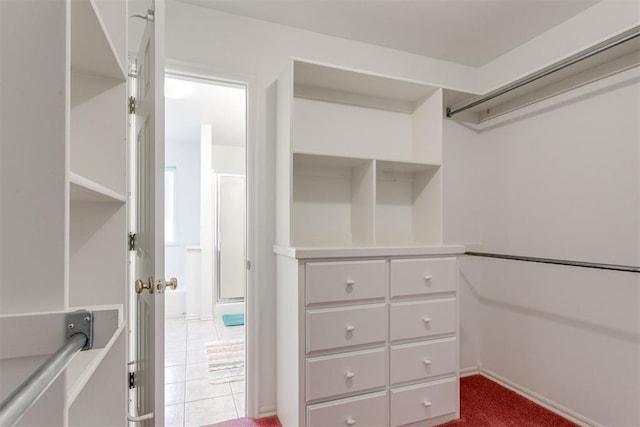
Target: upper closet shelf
327,83
92,50
83,189
311,158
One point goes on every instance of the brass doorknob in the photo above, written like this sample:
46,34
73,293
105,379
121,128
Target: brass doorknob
171,283
141,286
162,285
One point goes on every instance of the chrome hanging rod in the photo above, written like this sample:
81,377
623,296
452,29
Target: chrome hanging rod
27,394
600,266
79,333
588,53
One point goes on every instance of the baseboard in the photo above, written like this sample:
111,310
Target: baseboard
267,411
540,400
468,371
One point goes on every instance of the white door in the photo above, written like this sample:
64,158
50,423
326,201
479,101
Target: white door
148,325
232,265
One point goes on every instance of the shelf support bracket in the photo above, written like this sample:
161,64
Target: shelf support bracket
80,322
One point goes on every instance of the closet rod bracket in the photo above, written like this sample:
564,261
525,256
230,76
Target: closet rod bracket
80,322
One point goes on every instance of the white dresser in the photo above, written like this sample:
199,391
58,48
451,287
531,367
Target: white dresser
366,339
367,308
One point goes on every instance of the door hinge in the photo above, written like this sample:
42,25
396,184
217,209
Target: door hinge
132,241
248,265
132,380
132,105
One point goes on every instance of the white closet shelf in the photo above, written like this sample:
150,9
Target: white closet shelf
84,189
92,50
408,167
342,84
314,158
311,159
84,364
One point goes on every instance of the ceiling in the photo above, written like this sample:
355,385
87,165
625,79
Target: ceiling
189,104
469,32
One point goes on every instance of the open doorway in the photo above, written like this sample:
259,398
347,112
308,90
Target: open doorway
205,246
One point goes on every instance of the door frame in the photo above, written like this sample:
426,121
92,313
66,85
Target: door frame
216,291
197,71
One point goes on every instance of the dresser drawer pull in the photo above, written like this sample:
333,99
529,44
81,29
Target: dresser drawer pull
350,421
350,282
426,319
426,362
428,277
350,374
426,403
349,328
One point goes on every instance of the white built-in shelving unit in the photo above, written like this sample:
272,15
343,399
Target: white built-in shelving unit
69,166
366,292
360,162
97,179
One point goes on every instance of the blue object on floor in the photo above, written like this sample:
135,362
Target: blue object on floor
233,319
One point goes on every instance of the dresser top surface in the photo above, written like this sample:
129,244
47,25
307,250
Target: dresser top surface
366,251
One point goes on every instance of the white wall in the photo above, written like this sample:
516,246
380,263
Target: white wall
560,179
463,182
185,156
227,159
33,225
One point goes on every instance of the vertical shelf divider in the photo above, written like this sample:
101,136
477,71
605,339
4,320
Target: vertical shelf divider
362,204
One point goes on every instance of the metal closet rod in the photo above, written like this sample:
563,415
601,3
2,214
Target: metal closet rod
16,405
588,53
600,266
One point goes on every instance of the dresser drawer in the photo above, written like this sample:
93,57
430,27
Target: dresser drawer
342,327
422,276
367,411
420,361
422,319
345,281
333,375
416,403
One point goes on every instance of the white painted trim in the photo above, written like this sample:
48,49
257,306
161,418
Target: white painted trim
252,308
267,411
540,400
468,371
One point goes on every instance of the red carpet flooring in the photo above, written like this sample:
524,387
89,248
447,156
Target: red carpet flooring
247,422
483,403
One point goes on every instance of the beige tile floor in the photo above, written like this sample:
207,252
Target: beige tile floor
189,398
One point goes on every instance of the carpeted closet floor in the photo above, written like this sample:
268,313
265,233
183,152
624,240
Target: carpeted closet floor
483,403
